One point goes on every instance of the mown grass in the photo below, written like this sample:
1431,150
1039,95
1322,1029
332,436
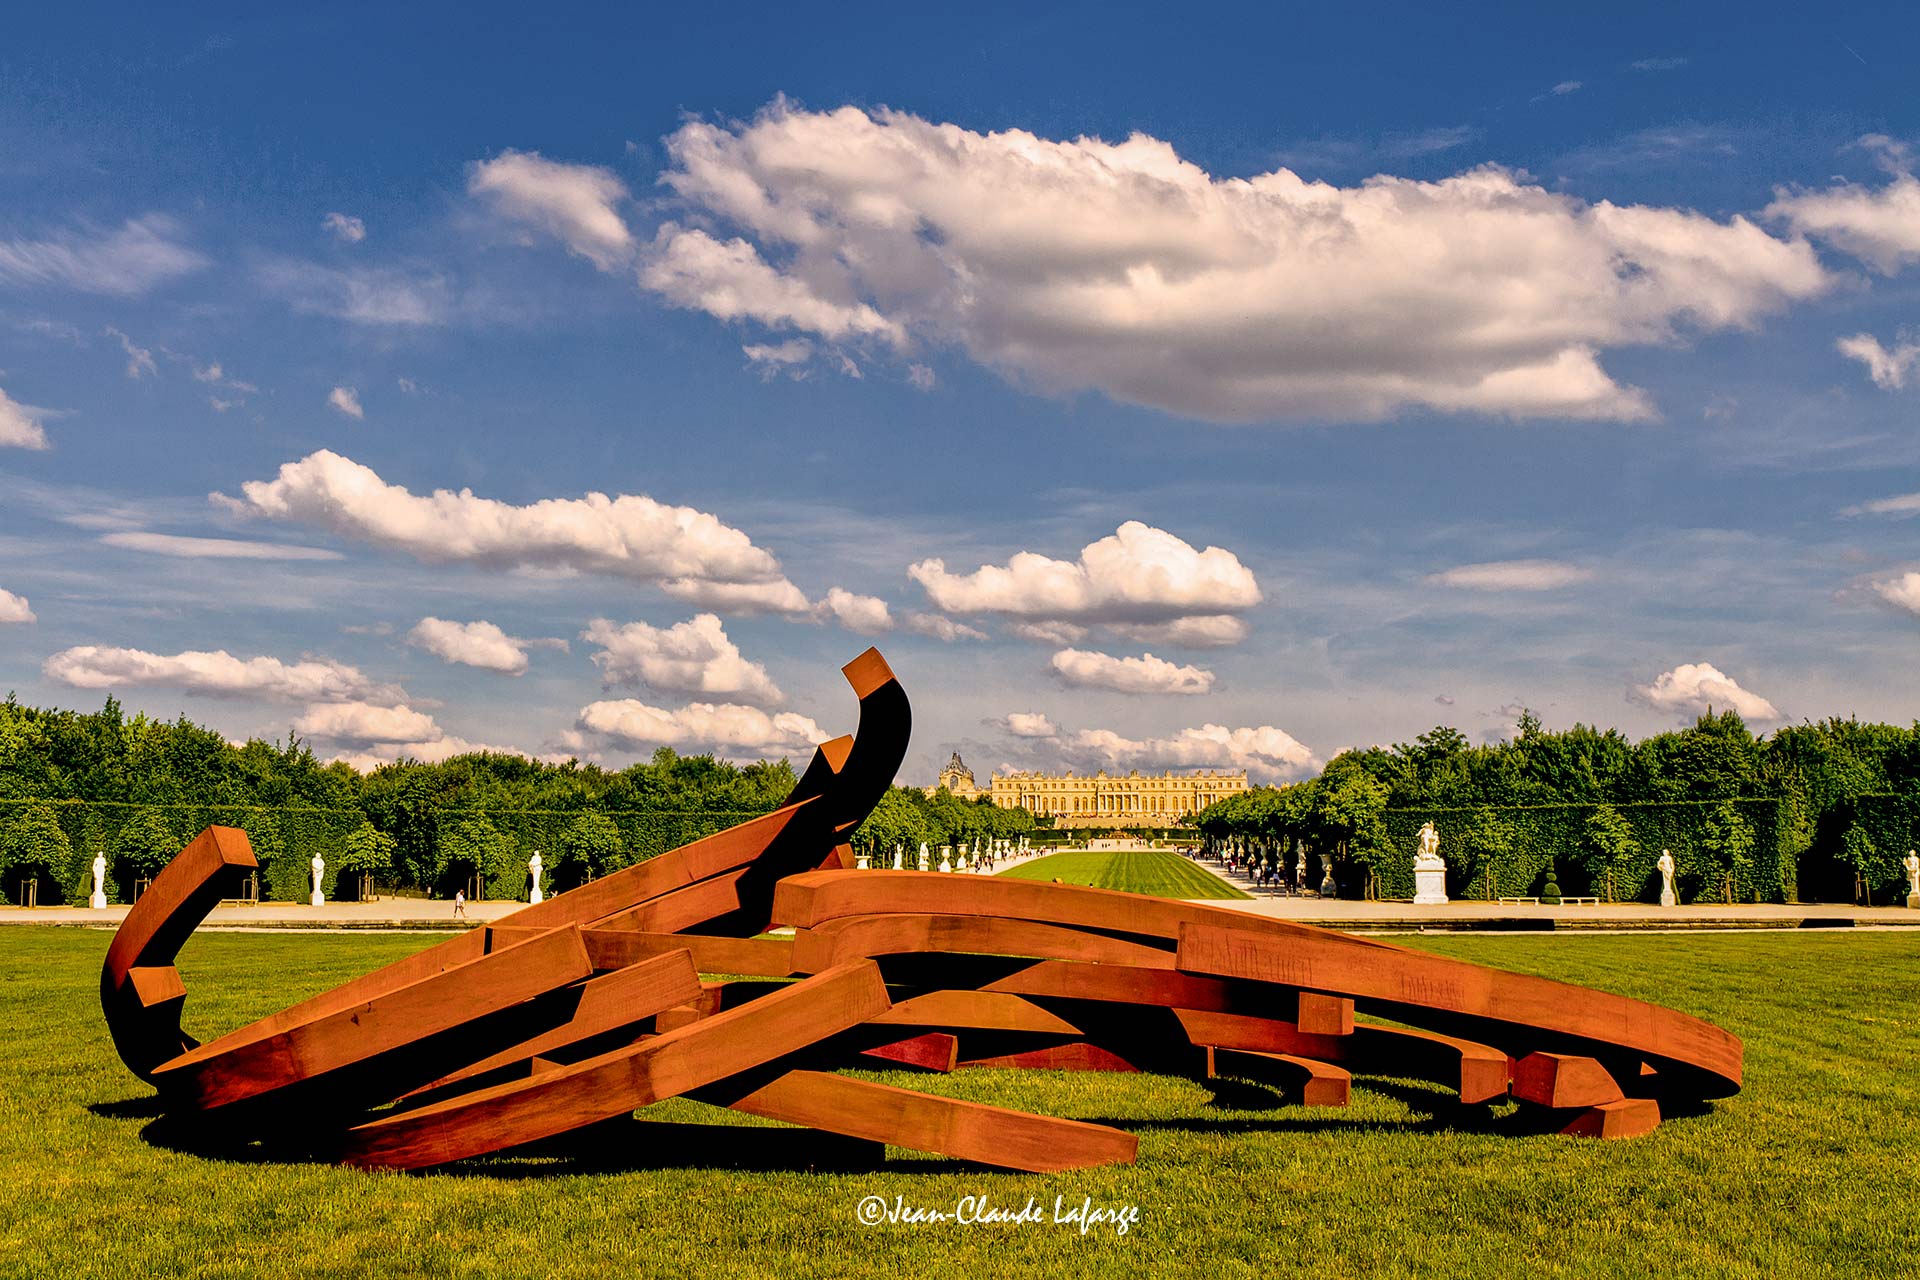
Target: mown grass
1809,1171
1162,875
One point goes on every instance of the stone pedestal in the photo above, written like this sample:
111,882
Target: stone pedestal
1429,886
946,857
1667,899
860,862
1913,901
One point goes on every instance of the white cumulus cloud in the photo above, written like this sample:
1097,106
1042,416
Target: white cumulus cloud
695,656
862,615
1512,575
1266,753
691,555
366,724
14,608
1888,367
1125,268
727,729
1692,687
217,673
730,280
472,644
1902,591
1147,674
20,425
1878,225
1139,574
347,401
574,203
1029,724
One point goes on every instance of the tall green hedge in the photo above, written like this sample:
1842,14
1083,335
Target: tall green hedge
283,839
644,833
1556,834
1870,835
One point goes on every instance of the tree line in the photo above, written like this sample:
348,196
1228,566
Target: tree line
135,789
1836,803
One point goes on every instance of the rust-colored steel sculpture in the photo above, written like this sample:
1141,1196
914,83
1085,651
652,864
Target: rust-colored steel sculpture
567,1017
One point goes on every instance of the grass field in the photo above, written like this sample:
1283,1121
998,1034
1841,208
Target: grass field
1162,875
1809,1171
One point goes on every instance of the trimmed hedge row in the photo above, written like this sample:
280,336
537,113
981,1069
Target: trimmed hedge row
644,833
283,839
1555,835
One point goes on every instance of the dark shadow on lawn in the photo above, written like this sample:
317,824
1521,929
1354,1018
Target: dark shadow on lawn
145,1107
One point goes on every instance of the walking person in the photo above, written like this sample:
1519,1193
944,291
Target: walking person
460,904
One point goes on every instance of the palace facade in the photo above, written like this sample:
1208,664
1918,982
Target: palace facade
1098,799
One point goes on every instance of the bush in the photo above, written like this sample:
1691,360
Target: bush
34,845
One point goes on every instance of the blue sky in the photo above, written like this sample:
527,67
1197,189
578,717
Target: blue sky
1264,383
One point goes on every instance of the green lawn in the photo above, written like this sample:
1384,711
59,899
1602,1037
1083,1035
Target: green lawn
1162,875
1810,1171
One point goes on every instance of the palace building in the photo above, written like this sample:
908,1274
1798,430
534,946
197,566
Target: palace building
1099,799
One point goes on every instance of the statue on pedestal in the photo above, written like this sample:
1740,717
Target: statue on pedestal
926,863
1429,870
99,900
860,861
1912,864
319,869
533,877
899,858
1665,864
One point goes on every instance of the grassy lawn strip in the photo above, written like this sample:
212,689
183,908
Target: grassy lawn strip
1806,1172
1161,875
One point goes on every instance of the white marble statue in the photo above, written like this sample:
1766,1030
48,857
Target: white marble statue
533,878
1912,864
926,862
1429,870
1665,864
899,858
99,900
319,869
946,857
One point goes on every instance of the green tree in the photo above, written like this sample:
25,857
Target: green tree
900,818
471,843
590,846
1727,845
145,843
1483,845
367,852
32,844
1606,842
